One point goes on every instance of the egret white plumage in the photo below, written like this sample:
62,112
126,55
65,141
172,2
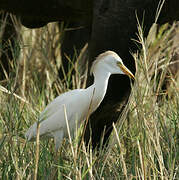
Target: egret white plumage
78,103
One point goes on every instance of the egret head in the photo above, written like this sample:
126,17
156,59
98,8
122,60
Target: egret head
110,62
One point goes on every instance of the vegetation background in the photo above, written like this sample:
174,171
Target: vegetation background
145,141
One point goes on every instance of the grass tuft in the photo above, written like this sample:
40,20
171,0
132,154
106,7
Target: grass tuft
144,146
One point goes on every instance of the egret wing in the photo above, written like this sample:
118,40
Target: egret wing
52,118
58,103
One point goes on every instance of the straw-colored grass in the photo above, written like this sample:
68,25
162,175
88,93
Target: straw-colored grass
144,143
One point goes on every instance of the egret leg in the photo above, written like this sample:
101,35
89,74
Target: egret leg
58,137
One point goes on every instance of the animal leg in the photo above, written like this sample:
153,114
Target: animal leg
58,137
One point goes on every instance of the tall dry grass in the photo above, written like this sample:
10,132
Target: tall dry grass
144,143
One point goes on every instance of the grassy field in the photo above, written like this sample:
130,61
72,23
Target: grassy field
145,141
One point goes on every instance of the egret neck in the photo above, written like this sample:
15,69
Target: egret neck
98,88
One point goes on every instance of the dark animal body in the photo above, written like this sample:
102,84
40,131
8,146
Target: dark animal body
109,25
7,43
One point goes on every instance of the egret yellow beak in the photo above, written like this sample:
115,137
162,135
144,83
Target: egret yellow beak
126,70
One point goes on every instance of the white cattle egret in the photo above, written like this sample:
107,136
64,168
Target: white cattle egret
78,103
